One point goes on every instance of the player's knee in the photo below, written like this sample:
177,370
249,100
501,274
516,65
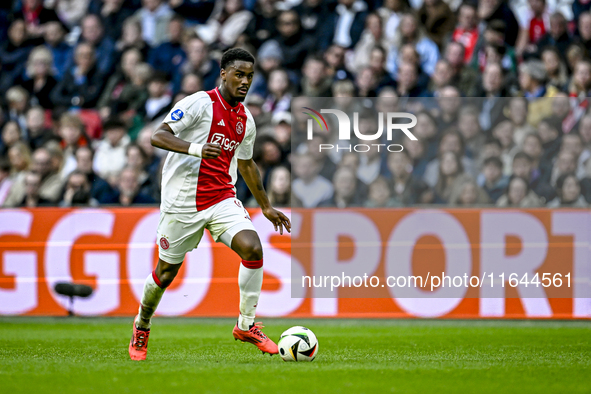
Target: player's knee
254,252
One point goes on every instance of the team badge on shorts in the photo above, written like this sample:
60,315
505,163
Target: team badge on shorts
164,243
239,127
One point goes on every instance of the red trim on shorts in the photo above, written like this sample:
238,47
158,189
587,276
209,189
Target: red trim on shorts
253,264
155,277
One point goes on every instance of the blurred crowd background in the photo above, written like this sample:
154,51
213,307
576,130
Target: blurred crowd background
83,84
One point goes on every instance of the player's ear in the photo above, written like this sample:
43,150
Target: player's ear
223,74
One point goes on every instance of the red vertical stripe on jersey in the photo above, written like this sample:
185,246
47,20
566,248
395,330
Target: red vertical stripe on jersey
228,127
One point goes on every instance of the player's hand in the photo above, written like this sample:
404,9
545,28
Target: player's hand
211,151
278,219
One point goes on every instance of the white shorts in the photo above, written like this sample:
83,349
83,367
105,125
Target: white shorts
179,233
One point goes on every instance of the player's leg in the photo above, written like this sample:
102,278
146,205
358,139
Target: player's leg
154,287
247,245
177,235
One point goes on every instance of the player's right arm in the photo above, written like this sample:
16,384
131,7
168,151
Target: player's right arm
164,138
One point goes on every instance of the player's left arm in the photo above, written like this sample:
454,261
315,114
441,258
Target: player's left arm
250,172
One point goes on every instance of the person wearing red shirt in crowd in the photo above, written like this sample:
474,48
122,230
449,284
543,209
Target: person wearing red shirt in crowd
533,24
466,32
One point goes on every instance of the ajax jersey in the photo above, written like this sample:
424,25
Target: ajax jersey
189,183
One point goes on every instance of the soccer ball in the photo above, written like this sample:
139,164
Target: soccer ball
298,344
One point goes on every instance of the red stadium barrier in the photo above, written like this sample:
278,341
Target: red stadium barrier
113,250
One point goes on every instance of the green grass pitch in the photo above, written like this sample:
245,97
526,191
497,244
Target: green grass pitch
89,355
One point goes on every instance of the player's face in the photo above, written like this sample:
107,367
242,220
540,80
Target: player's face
237,78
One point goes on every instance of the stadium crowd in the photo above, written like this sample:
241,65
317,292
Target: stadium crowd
84,83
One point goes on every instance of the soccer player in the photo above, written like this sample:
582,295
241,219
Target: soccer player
210,135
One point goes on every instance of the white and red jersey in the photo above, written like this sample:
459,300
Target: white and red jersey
189,183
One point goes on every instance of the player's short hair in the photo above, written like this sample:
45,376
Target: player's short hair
235,54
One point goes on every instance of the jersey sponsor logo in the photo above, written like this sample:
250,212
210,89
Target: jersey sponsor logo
221,123
239,127
177,114
225,143
164,243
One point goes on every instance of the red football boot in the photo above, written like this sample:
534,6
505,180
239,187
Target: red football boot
255,336
138,346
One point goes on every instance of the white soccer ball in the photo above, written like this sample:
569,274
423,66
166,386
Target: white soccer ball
298,344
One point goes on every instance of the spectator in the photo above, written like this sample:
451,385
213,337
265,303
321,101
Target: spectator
410,32
408,81
550,132
565,162
451,173
557,36
77,191
533,25
269,58
71,132
293,42
17,99
532,77
584,30
309,187
279,189
404,184
37,133
153,160
370,162
70,12
100,190
112,14
503,132
372,37
191,83
556,70
11,134
345,190
50,184
20,159
523,167
327,166
312,14
533,147
580,84
463,77
517,113
379,195
573,144
110,158
493,182
335,60
120,84
449,103
159,99
417,151
131,37
138,160
451,141
14,53
279,97
128,190
169,55
61,52
466,32
519,195
585,134
491,10
32,195
263,26
344,25
199,62
468,194
223,28
438,20
492,90
267,154
93,33
82,85
154,17
38,79
470,131
314,82
5,180
568,189
36,15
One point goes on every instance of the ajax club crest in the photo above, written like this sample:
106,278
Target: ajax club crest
239,127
